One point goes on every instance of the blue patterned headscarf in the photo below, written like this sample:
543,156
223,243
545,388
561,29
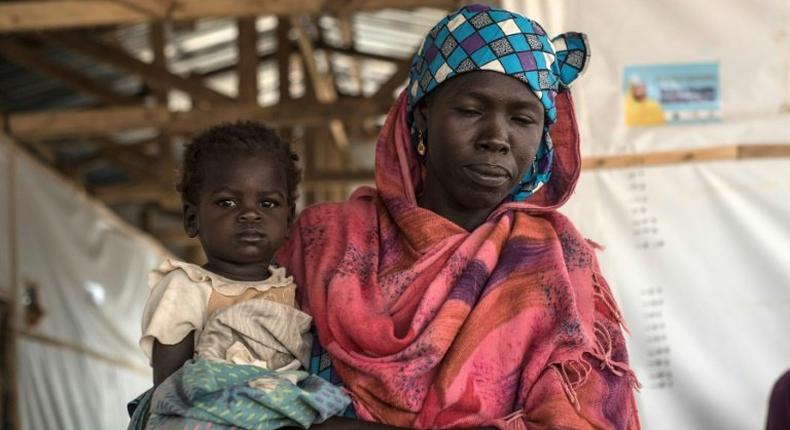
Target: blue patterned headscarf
479,37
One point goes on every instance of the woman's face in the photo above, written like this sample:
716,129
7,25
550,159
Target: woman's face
482,130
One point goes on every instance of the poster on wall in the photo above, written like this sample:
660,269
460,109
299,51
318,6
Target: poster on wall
665,94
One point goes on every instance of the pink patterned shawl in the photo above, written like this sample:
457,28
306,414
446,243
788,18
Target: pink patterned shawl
430,326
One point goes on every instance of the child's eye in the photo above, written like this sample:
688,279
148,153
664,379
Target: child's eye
468,111
226,203
268,204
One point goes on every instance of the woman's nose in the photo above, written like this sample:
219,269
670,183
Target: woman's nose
494,137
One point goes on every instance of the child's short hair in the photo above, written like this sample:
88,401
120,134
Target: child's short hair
238,138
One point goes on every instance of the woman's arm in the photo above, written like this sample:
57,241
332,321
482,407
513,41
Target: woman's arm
337,423
166,359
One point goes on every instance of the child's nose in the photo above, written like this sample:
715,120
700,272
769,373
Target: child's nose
249,215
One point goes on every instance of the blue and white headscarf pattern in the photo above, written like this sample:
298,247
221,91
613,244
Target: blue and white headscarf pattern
479,37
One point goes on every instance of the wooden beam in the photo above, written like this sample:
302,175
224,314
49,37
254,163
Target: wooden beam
156,39
351,52
127,157
716,153
322,84
248,61
40,149
156,9
324,89
284,49
231,67
166,158
135,164
86,123
37,60
141,192
346,26
262,58
764,151
119,193
102,122
19,16
151,74
385,94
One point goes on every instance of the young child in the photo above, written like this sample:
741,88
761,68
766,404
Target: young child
226,339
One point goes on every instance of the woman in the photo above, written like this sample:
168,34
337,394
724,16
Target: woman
455,295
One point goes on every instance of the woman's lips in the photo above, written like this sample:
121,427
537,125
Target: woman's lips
487,175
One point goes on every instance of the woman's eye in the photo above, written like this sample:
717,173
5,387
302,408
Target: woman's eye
524,120
226,203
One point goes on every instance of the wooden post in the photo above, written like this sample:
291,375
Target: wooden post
247,67
166,158
13,245
284,59
323,85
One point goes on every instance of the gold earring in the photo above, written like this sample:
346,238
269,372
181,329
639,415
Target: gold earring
420,144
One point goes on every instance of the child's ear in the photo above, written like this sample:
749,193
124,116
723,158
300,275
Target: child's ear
191,222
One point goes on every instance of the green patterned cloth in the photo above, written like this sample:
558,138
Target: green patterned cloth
205,395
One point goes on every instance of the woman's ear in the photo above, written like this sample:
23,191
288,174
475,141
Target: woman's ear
421,115
191,221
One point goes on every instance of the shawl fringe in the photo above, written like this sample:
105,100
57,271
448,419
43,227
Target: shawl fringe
574,372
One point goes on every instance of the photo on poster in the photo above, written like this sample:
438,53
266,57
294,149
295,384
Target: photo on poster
665,94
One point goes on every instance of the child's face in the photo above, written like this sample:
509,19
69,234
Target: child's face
241,215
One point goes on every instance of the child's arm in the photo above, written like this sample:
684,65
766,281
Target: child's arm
166,359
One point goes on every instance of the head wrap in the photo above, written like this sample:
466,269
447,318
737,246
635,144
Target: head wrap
479,37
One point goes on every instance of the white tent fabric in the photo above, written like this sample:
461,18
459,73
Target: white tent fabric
749,40
81,364
697,256
64,389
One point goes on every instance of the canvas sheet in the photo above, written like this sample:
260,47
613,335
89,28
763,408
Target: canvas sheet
699,259
80,364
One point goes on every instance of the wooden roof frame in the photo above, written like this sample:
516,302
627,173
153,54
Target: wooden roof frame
21,16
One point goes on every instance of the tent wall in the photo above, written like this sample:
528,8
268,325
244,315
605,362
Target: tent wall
80,364
697,256
748,40
696,253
